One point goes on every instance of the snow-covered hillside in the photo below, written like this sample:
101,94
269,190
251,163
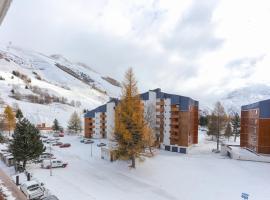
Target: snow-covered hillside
50,87
246,95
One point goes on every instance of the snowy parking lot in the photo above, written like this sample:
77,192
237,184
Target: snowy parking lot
166,176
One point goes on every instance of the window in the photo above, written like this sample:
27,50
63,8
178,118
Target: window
174,149
167,148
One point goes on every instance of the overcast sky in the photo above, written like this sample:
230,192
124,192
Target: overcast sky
201,48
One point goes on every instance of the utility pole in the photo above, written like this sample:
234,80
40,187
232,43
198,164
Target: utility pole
218,132
91,150
50,159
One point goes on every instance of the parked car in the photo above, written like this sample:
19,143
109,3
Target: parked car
65,145
45,155
53,164
47,164
52,140
61,134
101,144
82,140
56,135
50,197
43,136
88,141
57,143
32,189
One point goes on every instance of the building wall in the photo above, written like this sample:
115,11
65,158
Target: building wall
255,131
110,120
177,127
264,136
249,129
167,122
88,127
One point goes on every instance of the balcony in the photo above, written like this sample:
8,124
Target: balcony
174,137
174,123
174,109
174,116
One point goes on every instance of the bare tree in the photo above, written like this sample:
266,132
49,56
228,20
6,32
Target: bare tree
221,119
151,131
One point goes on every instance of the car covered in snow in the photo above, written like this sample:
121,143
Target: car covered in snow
88,141
47,164
32,189
65,145
56,135
44,156
101,144
50,197
57,143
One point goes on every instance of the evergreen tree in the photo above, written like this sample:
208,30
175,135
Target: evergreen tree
236,125
19,114
75,123
228,131
129,121
26,144
203,120
9,118
56,126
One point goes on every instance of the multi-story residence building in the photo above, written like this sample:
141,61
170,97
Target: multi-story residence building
255,127
175,119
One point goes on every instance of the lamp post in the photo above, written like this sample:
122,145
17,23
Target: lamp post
50,159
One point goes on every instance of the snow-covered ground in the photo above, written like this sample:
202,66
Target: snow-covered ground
54,81
168,176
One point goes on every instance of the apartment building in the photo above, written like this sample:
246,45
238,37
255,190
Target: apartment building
175,118
255,127
99,123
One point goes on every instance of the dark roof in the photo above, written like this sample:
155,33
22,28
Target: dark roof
91,113
263,106
182,101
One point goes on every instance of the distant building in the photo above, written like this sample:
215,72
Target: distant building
4,6
43,128
175,117
255,127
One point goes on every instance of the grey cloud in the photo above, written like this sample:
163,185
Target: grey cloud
194,33
245,65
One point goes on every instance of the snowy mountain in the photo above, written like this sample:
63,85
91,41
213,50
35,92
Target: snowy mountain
48,87
246,95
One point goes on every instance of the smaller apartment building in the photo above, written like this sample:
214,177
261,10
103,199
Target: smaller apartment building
255,127
175,118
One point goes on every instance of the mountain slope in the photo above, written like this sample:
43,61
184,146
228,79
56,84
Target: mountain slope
246,95
45,91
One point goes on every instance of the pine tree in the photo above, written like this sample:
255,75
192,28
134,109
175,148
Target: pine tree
75,123
9,118
26,144
236,125
56,126
19,114
129,121
228,131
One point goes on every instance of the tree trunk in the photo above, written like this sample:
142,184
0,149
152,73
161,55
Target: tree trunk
133,161
150,149
218,134
235,137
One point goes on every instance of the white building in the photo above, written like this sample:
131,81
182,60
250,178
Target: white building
174,119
